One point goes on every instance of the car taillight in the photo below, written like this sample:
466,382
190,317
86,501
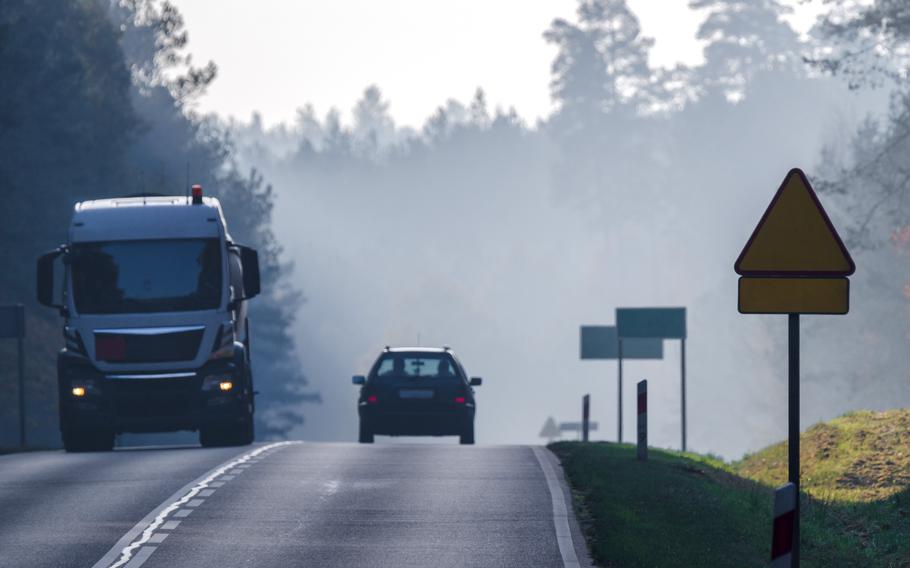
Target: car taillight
459,400
372,399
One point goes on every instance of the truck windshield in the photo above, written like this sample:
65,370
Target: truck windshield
146,276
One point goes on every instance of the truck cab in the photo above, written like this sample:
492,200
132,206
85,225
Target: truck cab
153,292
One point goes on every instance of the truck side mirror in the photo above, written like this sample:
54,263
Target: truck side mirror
476,381
358,379
249,259
45,278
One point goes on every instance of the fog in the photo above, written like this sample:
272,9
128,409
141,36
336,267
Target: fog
500,238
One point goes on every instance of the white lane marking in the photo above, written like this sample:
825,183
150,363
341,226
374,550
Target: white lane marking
157,538
227,477
206,492
122,552
216,484
560,511
195,502
141,556
170,525
331,487
183,513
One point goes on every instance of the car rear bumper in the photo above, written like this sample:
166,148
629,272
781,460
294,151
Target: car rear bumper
414,422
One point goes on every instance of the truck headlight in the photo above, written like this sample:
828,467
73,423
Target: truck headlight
222,382
80,388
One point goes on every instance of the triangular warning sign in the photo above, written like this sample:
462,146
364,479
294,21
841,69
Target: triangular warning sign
795,237
550,429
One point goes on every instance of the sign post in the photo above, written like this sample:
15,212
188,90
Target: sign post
12,325
794,263
603,342
657,324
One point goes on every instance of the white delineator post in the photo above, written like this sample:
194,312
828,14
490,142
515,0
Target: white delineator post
643,420
784,526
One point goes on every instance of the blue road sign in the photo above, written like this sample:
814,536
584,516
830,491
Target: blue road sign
665,323
602,342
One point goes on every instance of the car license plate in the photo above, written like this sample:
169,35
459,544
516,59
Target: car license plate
415,393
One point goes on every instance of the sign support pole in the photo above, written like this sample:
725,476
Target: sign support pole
682,357
21,393
793,445
619,398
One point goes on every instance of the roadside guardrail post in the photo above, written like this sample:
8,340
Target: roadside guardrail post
642,420
585,416
783,531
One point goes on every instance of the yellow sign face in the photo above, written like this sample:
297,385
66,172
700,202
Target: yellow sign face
794,295
795,237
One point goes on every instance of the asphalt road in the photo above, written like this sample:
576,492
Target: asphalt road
297,504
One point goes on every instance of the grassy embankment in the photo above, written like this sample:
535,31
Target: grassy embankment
690,510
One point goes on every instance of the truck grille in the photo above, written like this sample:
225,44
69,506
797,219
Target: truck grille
128,346
149,398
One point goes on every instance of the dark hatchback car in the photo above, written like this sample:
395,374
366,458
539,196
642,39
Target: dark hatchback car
417,391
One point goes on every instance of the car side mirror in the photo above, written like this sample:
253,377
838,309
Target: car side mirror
476,381
358,379
249,259
45,278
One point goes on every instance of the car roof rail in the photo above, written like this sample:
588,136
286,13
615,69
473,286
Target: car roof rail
446,348
386,348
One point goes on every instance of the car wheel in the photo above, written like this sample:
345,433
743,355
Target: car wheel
366,435
467,436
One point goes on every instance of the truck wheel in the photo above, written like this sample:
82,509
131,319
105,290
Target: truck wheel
249,432
237,434
467,435
211,437
85,440
366,435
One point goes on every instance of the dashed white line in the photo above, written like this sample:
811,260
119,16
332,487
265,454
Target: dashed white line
195,502
141,557
157,538
206,492
170,525
131,552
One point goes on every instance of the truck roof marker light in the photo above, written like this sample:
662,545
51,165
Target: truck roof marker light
197,194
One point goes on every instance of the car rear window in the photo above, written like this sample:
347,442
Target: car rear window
428,366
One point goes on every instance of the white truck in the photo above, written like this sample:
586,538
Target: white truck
153,292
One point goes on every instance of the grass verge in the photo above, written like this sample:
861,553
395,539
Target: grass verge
690,510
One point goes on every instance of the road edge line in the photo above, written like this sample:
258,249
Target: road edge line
561,510
127,539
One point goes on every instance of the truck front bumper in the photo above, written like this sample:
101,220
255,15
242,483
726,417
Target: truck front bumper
147,402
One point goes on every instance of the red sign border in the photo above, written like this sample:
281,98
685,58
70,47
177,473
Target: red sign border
761,222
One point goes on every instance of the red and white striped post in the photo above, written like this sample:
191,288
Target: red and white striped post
643,420
782,538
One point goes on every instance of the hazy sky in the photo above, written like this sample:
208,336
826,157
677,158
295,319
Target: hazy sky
275,55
